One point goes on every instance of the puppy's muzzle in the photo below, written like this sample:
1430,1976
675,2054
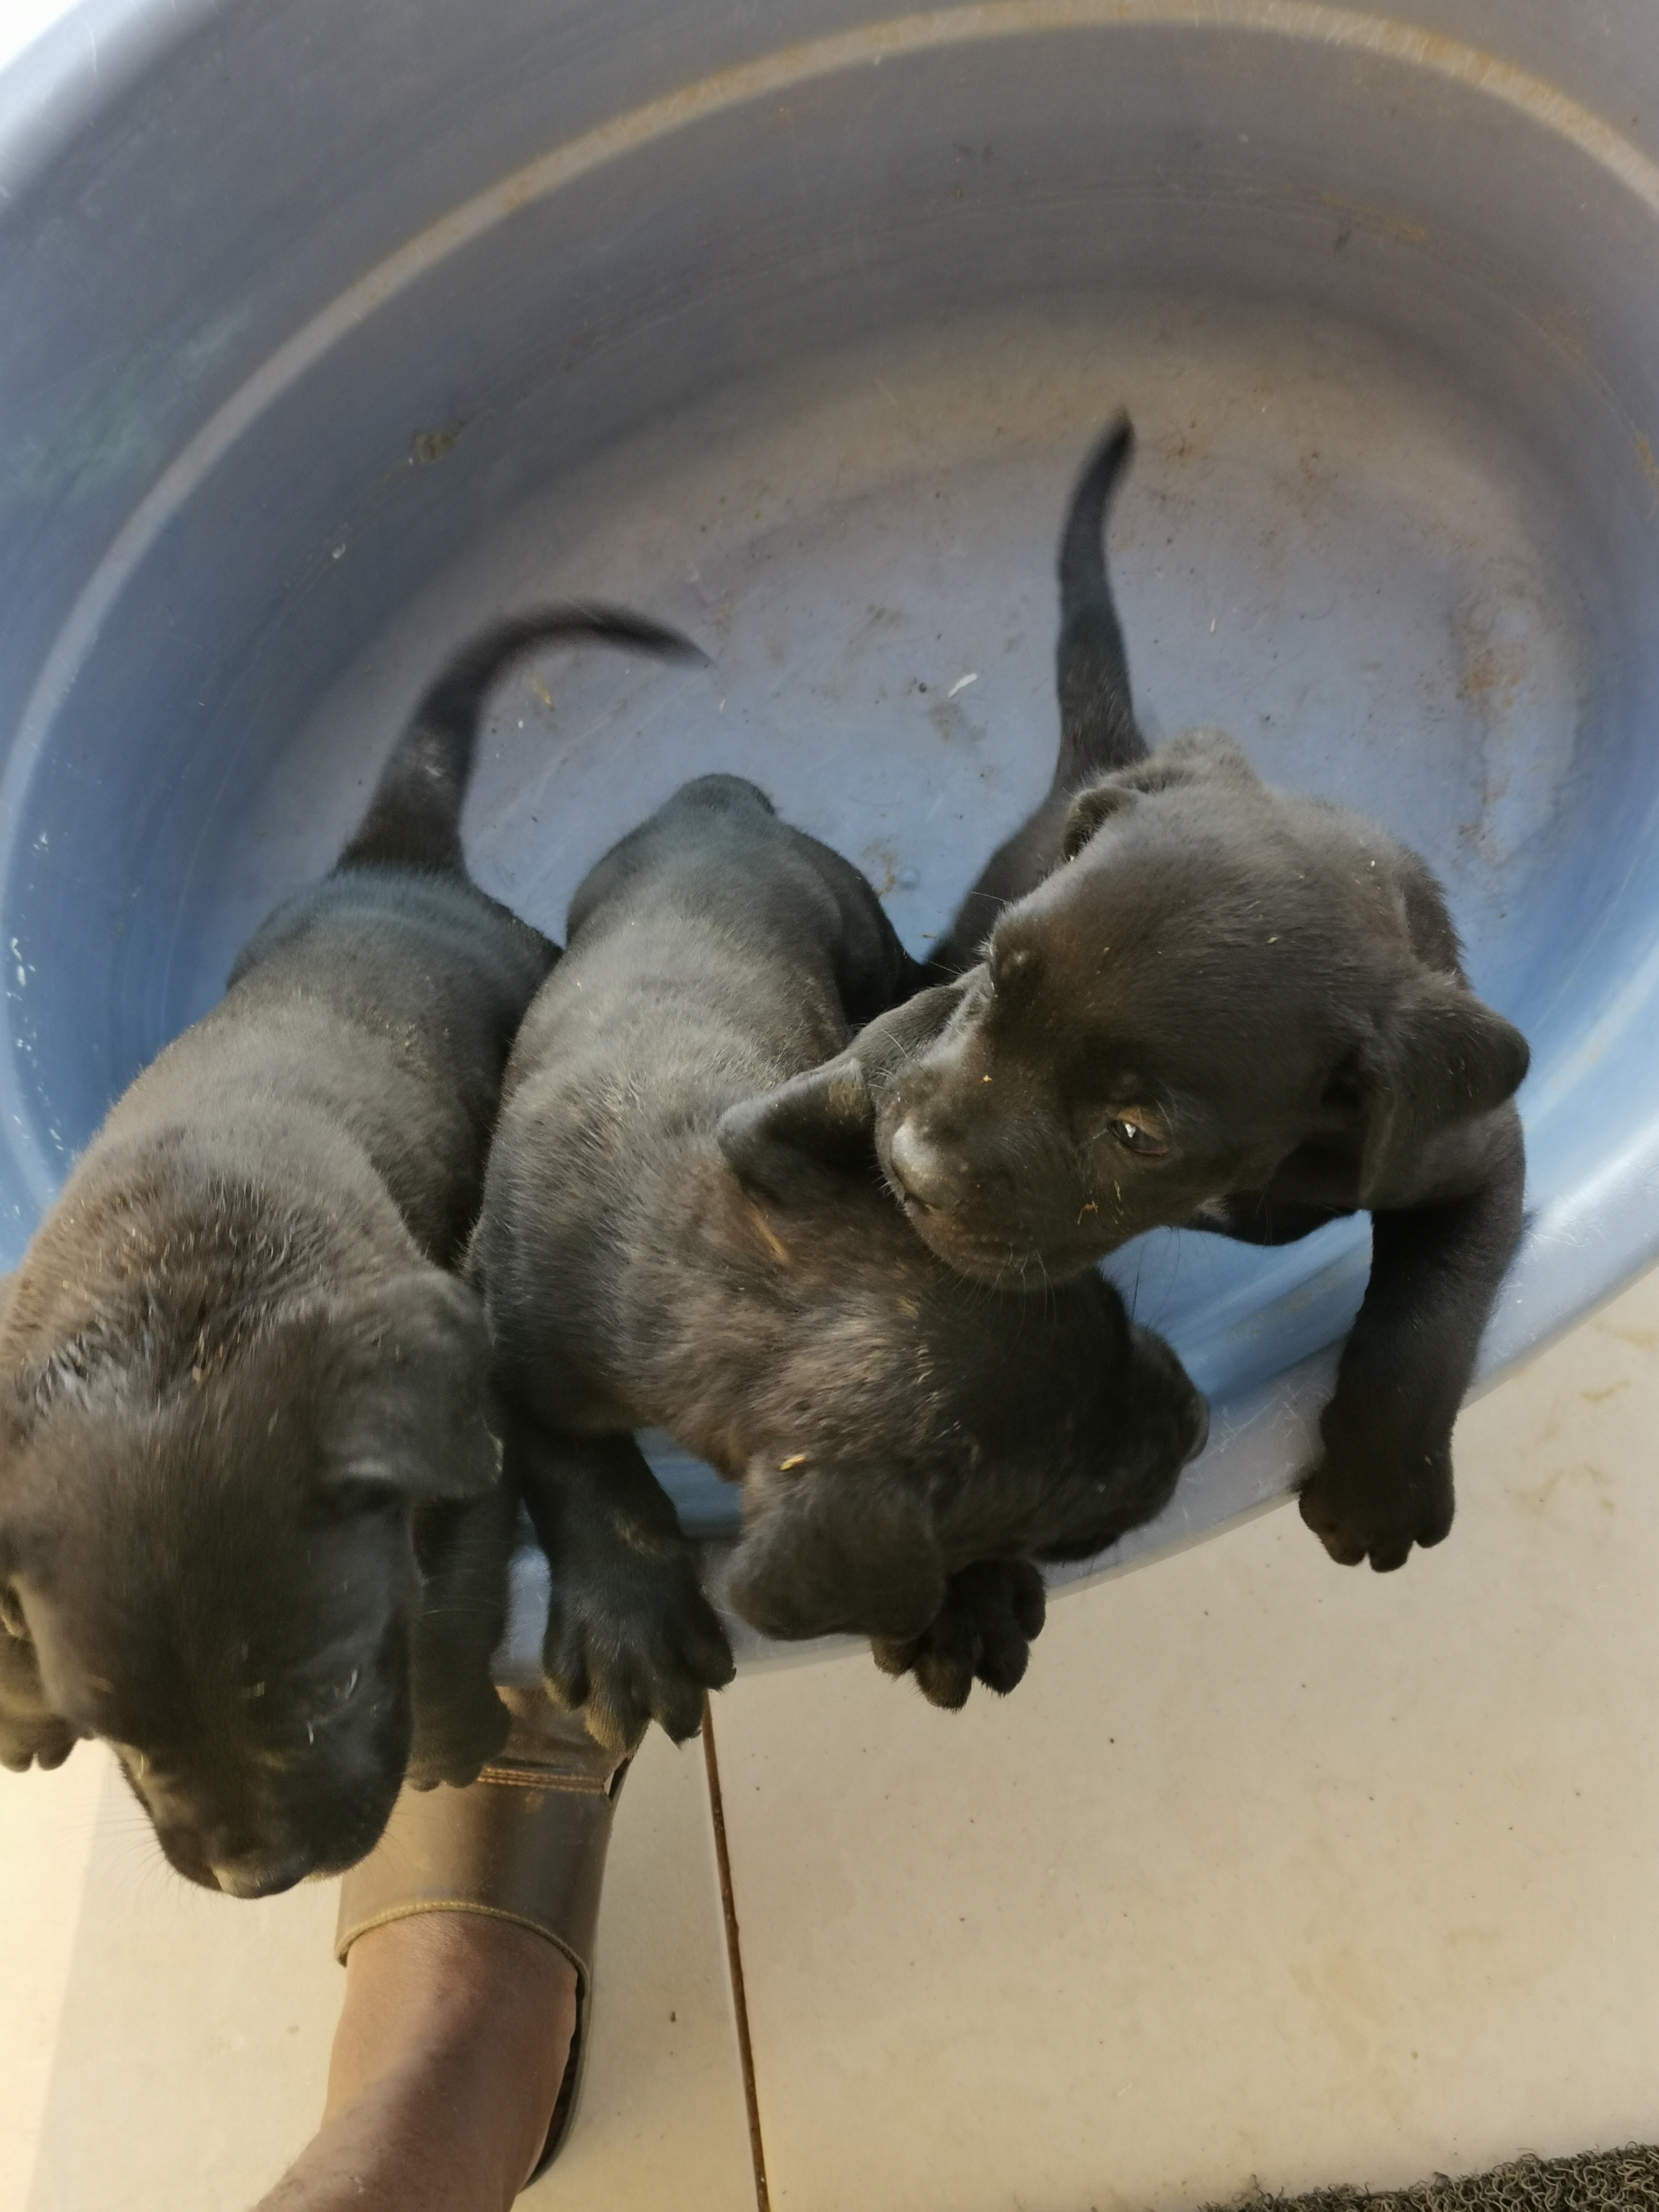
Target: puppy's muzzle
235,1866
923,1171
261,1877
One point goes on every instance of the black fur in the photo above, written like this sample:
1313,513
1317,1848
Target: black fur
251,1527
1193,999
642,1262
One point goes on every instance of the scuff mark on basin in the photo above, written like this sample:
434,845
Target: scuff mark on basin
428,446
881,864
1377,221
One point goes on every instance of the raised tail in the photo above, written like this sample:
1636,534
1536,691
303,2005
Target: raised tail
414,819
1097,727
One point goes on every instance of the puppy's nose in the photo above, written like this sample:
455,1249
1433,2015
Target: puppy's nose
261,1877
921,1166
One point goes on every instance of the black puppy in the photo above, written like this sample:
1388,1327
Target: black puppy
243,1406
1206,1003
891,1424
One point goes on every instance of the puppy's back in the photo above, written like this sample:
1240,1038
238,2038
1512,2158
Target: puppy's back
712,952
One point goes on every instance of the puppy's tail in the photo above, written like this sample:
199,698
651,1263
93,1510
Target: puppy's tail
414,819
1098,731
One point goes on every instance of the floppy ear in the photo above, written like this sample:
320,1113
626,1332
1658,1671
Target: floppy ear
1089,809
789,1141
1443,1057
463,1550
827,1554
411,1418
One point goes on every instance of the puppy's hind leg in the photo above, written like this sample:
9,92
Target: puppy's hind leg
836,1552
993,1614
414,819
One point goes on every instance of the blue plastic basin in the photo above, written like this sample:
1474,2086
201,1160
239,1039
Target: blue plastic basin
327,332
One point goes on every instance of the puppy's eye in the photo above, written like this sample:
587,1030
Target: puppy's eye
1136,1136
332,1702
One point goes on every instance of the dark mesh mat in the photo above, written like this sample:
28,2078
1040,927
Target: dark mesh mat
1594,2181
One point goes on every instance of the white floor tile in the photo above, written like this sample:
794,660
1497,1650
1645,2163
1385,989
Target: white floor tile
180,2042
193,2037
46,1840
663,2121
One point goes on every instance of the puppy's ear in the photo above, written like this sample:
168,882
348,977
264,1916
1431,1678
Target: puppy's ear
463,1550
1089,809
831,1553
1443,1057
796,1140
411,1421
788,1142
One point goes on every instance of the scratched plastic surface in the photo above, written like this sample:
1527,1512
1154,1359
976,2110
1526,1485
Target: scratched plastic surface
326,333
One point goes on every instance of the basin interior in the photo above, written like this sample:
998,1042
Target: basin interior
809,374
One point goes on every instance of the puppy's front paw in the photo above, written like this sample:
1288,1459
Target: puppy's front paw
992,1615
34,1738
630,1637
1363,1504
31,1734
456,1736
631,1640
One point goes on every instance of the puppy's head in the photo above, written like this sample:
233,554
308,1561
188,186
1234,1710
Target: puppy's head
1214,977
213,1560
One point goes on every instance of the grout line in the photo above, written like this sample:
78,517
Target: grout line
734,1960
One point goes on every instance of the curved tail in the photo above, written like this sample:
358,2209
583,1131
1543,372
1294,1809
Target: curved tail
1097,727
414,819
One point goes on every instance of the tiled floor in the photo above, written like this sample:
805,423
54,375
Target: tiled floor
1269,1871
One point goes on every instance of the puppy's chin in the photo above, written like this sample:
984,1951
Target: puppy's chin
248,1853
1011,1259
269,1873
